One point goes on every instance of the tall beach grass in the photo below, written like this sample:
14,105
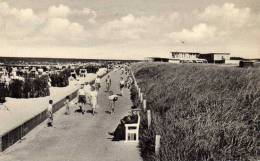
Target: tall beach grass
202,112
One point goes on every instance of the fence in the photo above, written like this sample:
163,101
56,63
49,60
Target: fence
11,137
143,102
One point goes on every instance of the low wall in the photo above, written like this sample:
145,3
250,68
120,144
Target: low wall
11,137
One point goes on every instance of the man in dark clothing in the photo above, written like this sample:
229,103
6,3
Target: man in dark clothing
119,133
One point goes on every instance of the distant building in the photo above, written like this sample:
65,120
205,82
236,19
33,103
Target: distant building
175,61
195,57
161,59
219,58
188,57
185,56
157,59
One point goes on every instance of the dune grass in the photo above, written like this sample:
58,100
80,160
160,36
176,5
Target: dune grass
202,112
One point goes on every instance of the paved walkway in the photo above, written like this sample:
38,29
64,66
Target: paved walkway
78,137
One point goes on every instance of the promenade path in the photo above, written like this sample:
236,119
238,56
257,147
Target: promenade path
78,137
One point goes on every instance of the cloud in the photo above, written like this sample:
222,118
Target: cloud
225,26
199,33
92,15
127,27
62,28
131,27
16,23
216,24
62,11
59,11
226,16
24,26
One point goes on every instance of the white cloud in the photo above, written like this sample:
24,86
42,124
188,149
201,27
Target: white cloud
59,11
225,26
92,15
226,16
17,23
199,33
62,11
24,26
62,28
131,27
127,27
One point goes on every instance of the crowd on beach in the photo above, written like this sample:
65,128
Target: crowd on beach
14,80
88,101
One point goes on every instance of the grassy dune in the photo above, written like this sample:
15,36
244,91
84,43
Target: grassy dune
202,112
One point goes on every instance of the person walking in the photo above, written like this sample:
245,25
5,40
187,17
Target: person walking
98,83
82,99
113,98
67,105
87,89
94,98
121,85
108,83
50,114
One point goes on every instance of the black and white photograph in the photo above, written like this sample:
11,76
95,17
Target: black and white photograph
130,80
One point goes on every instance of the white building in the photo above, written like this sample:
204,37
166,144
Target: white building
216,57
162,59
188,57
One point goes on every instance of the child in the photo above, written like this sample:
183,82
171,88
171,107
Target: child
121,85
67,104
112,101
50,114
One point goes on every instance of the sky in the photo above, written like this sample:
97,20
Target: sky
124,29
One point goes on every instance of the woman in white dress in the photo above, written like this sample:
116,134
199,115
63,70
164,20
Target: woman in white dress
98,83
94,98
121,85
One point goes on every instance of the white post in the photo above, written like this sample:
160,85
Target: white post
139,92
157,144
144,104
149,119
141,97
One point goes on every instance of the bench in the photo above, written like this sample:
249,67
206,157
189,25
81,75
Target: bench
132,131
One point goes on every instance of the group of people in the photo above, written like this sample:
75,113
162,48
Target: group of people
88,96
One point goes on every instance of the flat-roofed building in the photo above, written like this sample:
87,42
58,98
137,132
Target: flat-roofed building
219,58
162,59
188,57
157,59
185,55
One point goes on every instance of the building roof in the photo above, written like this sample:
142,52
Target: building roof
216,53
161,58
177,52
